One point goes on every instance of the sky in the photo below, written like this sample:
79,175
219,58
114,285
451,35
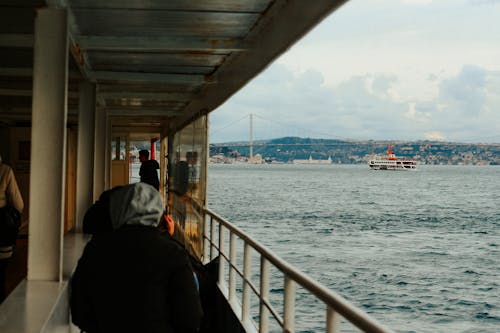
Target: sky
381,70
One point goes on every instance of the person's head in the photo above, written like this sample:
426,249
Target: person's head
135,204
143,155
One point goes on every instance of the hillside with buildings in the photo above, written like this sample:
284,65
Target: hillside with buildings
285,150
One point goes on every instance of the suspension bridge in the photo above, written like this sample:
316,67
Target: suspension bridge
268,132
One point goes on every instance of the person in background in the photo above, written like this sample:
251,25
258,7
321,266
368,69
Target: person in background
9,195
148,169
134,279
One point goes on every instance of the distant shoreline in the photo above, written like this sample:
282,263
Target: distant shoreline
285,150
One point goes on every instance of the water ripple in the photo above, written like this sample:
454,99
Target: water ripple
419,255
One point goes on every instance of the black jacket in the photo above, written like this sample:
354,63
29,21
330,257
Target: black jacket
97,218
134,280
149,174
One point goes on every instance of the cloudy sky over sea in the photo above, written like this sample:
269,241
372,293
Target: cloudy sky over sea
380,69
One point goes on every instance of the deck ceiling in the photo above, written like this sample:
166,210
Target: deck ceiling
154,59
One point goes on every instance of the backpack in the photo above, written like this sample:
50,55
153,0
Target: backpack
10,222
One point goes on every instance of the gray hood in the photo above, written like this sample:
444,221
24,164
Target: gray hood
135,204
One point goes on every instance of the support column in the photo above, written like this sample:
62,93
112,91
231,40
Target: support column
100,141
153,148
163,167
85,158
48,145
107,154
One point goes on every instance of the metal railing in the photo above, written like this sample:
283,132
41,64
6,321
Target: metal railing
335,305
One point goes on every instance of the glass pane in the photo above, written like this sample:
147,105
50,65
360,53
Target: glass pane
113,149
123,148
187,160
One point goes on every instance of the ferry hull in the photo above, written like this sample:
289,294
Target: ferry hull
392,165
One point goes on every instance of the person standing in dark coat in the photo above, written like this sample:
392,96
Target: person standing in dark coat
148,169
9,195
133,279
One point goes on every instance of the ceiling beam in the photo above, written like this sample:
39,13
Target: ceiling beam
157,44
16,40
140,128
24,92
16,112
11,71
15,92
150,77
164,96
28,72
138,121
141,112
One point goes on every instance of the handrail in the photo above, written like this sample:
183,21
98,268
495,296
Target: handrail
335,303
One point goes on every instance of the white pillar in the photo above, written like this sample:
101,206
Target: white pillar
85,158
107,154
48,145
100,141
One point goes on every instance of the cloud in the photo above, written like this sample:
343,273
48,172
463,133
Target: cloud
285,103
381,85
466,93
434,136
468,105
484,2
420,115
381,69
417,2
299,104
432,77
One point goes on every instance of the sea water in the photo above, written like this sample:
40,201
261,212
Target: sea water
418,250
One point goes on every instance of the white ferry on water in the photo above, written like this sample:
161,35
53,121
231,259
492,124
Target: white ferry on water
391,162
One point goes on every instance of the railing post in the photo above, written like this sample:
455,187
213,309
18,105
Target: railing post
335,304
289,307
212,233
264,295
332,320
232,273
221,258
245,306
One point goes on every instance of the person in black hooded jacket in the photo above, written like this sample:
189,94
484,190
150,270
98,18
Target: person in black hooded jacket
148,170
134,279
